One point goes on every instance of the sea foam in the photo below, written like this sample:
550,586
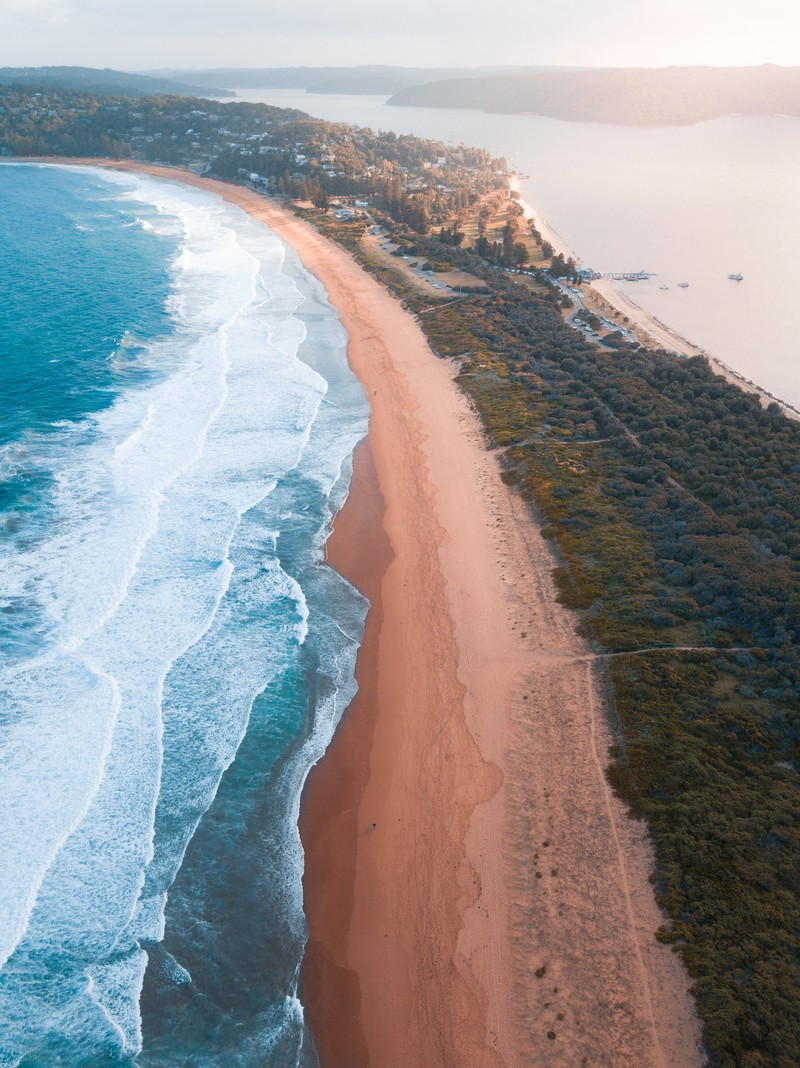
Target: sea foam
169,606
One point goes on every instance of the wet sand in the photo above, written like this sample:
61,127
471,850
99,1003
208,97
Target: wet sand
499,911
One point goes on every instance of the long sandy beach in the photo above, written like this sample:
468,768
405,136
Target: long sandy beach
476,896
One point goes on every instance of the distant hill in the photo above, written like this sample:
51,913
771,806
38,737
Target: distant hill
252,77
633,97
384,80
392,79
352,80
107,81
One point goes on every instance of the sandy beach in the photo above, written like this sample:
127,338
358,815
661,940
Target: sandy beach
476,896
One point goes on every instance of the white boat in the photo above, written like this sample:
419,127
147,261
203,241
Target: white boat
663,287
736,277
683,285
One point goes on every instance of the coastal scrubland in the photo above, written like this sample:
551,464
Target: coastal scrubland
671,498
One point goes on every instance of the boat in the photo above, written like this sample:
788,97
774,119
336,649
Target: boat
663,287
736,277
683,285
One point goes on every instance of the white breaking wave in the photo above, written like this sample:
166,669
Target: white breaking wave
158,603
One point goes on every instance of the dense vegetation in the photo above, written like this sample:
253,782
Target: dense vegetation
672,499
669,96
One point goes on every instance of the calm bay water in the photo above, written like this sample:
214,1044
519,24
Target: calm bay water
691,204
176,435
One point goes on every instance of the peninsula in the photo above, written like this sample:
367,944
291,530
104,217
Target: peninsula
629,96
655,627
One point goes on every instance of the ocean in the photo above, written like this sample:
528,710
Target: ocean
689,204
177,433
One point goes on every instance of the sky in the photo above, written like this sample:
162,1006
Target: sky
186,34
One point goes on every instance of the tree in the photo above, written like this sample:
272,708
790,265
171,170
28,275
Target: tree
509,236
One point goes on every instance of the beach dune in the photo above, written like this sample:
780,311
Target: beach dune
476,895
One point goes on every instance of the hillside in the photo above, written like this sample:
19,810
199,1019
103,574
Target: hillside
91,80
632,97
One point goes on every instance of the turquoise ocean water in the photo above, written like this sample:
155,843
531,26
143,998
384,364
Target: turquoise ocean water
176,433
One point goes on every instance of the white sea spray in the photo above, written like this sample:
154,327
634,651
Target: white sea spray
180,578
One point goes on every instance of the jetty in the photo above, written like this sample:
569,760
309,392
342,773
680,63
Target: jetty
629,276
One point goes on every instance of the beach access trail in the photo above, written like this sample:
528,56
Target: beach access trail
476,895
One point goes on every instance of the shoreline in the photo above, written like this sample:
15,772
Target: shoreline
359,549
650,329
500,913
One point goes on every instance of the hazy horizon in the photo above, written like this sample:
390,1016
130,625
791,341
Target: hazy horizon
197,34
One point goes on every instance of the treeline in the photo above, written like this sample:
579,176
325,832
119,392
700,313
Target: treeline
673,499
